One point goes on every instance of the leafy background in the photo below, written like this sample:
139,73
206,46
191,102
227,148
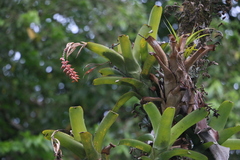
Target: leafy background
36,95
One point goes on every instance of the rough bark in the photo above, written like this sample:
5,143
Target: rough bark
198,14
195,14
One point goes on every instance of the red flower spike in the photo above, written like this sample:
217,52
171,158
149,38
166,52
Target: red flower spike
68,70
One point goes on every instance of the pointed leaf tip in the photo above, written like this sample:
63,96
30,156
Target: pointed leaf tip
218,123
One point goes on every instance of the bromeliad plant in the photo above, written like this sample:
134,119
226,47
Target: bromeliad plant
163,82
82,143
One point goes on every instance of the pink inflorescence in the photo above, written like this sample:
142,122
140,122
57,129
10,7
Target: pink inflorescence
68,70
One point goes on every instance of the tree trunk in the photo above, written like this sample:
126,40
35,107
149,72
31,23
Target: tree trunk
195,15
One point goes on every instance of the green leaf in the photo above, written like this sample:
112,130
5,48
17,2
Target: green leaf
136,144
189,50
163,134
131,64
145,158
224,110
153,114
118,80
107,80
25,19
123,99
146,137
88,146
150,60
233,144
103,127
195,36
227,133
77,121
205,146
187,122
108,71
182,152
110,54
171,30
140,50
154,22
116,47
140,87
67,142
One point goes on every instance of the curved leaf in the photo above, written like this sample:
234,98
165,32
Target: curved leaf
136,144
88,146
195,36
205,146
150,60
145,158
233,144
77,121
67,142
154,22
153,114
123,99
140,50
182,152
163,134
187,122
224,110
140,87
131,64
189,50
146,137
107,80
116,47
171,30
113,56
118,80
227,133
110,71
102,129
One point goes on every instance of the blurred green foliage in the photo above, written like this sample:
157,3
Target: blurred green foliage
225,78
33,87
35,94
27,145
